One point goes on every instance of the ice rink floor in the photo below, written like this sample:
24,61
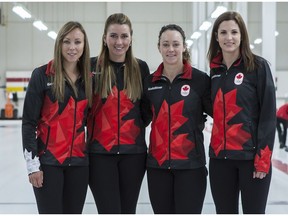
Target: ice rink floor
16,194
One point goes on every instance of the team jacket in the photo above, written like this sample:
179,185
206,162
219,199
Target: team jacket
244,108
177,108
53,131
282,112
115,124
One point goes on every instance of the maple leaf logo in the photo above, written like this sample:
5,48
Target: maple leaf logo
106,117
239,76
262,162
180,146
185,88
235,136
61,129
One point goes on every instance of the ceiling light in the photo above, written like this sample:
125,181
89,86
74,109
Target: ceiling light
258,41
52,34
276,33
205,26
252,46
40,25
219,10
195,35
189,43
22,12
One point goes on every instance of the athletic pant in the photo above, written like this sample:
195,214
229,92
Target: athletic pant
115,181
64,189
177,191
282,131
228,178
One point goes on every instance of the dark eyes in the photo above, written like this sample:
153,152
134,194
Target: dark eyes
225,32
68,42
116,36
167,45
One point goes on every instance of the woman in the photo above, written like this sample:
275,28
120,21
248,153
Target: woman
281,125
117,144
244,108
55,108
178,95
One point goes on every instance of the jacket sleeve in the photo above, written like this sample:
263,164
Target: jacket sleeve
144,103
267,118
207,101
31,113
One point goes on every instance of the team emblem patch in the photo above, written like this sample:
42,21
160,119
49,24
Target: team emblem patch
239,79
185,90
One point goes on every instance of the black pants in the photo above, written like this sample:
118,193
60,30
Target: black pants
230,177
282,131
64,190
177,191
115,182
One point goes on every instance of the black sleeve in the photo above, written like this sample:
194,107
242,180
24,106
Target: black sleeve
144,103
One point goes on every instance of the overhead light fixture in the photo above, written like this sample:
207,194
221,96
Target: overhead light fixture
205,26
189,43
252,46
195,35
276,33
218,11
52,34
258,41
40,25
21,11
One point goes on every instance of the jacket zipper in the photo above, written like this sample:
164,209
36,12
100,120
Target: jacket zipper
169,127
224,116
74,126
118,113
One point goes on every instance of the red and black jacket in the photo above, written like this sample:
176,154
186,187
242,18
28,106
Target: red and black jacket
60,139
115,124
244,107
177,110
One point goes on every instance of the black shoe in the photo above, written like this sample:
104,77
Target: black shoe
286,148
282,145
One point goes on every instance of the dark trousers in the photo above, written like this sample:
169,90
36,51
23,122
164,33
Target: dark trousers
281,126
230,177
115,181
177,191
64,190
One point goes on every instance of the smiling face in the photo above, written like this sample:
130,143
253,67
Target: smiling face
118,40
229,37
73,46
171,47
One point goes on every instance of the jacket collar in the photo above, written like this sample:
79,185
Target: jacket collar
187,72
217,61
50,70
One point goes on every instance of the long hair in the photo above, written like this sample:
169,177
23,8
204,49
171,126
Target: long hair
83,64
246,53
174,27
105,76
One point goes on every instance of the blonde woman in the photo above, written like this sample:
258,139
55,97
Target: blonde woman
55,108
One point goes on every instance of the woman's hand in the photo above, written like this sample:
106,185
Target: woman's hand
260,175
36,179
